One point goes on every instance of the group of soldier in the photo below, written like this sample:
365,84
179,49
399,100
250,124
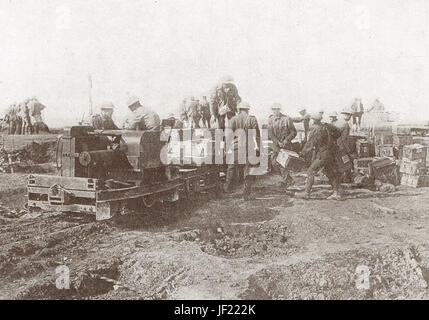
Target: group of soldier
24,118
321,145
212,113
141,117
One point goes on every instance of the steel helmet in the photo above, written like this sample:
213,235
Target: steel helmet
244,105
276,106
132,100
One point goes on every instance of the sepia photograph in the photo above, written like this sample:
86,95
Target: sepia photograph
227,151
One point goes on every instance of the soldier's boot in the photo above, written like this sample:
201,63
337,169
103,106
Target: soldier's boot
335,182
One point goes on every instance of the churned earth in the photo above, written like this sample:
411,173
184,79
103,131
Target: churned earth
370,245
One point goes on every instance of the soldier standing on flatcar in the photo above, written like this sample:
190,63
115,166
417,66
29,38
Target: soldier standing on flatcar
321,147
103,120
333,118
281,131
246,122
142,118
189,113
205,112
224,101
216,97
304,117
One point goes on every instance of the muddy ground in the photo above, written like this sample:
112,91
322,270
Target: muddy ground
275,247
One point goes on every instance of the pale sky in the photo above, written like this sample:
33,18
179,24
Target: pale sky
314,53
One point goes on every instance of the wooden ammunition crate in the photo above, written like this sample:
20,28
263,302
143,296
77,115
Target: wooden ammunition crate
415,180
344,162
402,140
421,140
412,168
386,150
414,152
385,170
383,139
290,160
401,130
361,165
364,148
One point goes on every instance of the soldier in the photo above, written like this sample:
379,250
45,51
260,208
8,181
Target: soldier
177,123
8,119
321,146
216,98
104,121
205,112
190,113
17,118
142,118
333,118
36,108
224,101
357,109
377,106
343,141
24,113
281,131
304,117
246,122
183,110
196,112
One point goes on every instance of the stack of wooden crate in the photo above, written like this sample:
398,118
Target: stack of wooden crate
384,146
413,166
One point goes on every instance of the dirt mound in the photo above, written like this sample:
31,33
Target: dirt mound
241,240
96,280
358,274
30,154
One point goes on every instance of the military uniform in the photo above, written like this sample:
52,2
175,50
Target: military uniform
223,102
343,143
281,131
305,119
103,123
143,118
16,119
25,116
205,113
216,97
35,109
245,122
321,146
190,113
357,109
